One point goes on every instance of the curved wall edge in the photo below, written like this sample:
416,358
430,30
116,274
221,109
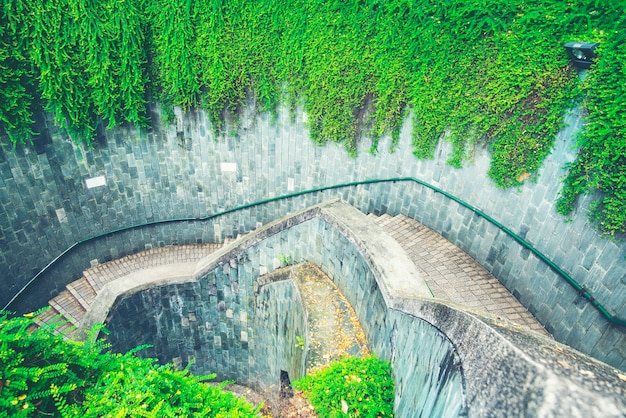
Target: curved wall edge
446,362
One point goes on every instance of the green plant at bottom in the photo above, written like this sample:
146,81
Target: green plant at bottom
41,373
351,387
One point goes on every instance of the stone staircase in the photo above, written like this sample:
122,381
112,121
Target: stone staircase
450,273
71,305
453,275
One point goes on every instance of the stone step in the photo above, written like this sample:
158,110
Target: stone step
101,274
97,277
52,316
46,316
229,241
83,291
72,304
383,219
69,307
453,275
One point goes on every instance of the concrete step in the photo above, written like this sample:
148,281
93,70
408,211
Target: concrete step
69,307
453,275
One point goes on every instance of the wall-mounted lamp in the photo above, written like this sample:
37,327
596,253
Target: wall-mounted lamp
581,53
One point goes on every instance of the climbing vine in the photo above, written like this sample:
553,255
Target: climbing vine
87,59
16,77
601,164
481,73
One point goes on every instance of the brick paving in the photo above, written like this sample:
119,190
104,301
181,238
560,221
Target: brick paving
72,304
101,274
453,275
450,273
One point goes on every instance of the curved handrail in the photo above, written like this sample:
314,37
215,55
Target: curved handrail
578,287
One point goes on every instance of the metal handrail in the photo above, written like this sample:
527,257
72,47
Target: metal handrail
578,287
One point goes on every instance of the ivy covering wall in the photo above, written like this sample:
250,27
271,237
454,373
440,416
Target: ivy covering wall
489,73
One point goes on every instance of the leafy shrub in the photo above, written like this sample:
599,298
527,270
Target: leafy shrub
352,386
41,373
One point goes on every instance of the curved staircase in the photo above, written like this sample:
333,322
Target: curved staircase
71,305
453,275
450,273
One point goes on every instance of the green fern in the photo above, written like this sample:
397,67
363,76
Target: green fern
43,373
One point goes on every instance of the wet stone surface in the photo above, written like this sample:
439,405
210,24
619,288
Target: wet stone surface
334,329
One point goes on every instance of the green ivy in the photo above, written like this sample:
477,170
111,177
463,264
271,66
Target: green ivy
16,76
600,167
480,73
173,34
87,59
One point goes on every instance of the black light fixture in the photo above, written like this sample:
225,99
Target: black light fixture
581,53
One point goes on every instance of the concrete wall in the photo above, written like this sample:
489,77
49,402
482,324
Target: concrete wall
183,171
202,318
445,361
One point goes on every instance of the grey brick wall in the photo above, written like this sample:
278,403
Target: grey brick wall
227,323
46,206
203,320
446,361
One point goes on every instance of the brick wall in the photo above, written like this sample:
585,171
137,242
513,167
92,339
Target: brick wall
59,193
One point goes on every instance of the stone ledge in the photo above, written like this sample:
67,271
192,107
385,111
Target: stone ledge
521,373
129,284
396,274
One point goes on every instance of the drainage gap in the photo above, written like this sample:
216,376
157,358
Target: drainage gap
286,391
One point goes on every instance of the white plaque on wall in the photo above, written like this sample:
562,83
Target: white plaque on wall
229,167
95,182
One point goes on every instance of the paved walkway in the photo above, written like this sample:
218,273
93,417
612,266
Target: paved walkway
334,330
453,275
72,304
450,273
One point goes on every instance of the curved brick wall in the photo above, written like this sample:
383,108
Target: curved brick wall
200,316
445,362
227,327
60,193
